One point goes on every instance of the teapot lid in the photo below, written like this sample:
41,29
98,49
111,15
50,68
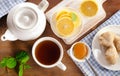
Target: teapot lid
25,18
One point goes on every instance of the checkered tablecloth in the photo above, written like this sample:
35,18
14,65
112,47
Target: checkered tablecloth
85,68
6,5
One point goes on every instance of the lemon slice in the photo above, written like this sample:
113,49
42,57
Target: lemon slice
61,13
71,14
89,8
65,26
76,19
64,15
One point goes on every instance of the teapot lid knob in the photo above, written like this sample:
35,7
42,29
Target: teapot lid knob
25,19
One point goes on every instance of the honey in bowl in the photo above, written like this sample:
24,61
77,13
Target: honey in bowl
80,50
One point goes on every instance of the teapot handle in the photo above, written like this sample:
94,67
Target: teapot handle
43,5
8,36
102,1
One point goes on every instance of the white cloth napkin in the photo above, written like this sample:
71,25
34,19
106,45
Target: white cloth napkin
85,68
6,5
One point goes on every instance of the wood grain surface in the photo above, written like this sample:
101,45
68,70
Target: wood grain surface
10,48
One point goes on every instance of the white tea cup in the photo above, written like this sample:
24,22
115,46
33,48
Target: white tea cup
47,52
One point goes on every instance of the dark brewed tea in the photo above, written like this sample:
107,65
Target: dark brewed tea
47,52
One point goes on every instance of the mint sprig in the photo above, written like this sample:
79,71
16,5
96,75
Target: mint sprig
20,73
11,62
8,62
21,58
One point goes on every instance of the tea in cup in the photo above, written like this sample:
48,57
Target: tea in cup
80,51
48,52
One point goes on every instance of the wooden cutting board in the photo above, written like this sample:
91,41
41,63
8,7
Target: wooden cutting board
87,22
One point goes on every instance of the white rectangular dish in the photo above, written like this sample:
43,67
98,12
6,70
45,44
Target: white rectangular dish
87,22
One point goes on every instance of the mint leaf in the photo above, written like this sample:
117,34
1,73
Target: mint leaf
22,57
74,16
20,70
26,66
3,62
11,62
25,59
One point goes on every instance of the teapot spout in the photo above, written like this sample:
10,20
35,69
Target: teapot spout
8,36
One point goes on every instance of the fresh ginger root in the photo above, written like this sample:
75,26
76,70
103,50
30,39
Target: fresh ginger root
117,43
107,40
111,55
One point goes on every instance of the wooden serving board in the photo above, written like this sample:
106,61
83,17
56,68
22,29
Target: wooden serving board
87,22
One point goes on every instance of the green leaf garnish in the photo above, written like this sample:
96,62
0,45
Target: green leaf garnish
26,66
11,62
22,57
74,16
20,73
3,62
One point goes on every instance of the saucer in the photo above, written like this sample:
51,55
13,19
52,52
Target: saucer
98,51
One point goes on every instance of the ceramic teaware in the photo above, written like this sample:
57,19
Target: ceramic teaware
26,21
47,52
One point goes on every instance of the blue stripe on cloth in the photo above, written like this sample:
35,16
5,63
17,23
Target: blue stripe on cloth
6,5
114,20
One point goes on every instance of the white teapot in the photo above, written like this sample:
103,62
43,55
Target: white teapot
26,21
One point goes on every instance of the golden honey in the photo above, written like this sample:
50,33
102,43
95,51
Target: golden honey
80,50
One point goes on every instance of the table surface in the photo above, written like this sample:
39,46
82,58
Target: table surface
9,48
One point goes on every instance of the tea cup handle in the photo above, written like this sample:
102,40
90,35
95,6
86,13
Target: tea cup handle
43,5
8,36
61,66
